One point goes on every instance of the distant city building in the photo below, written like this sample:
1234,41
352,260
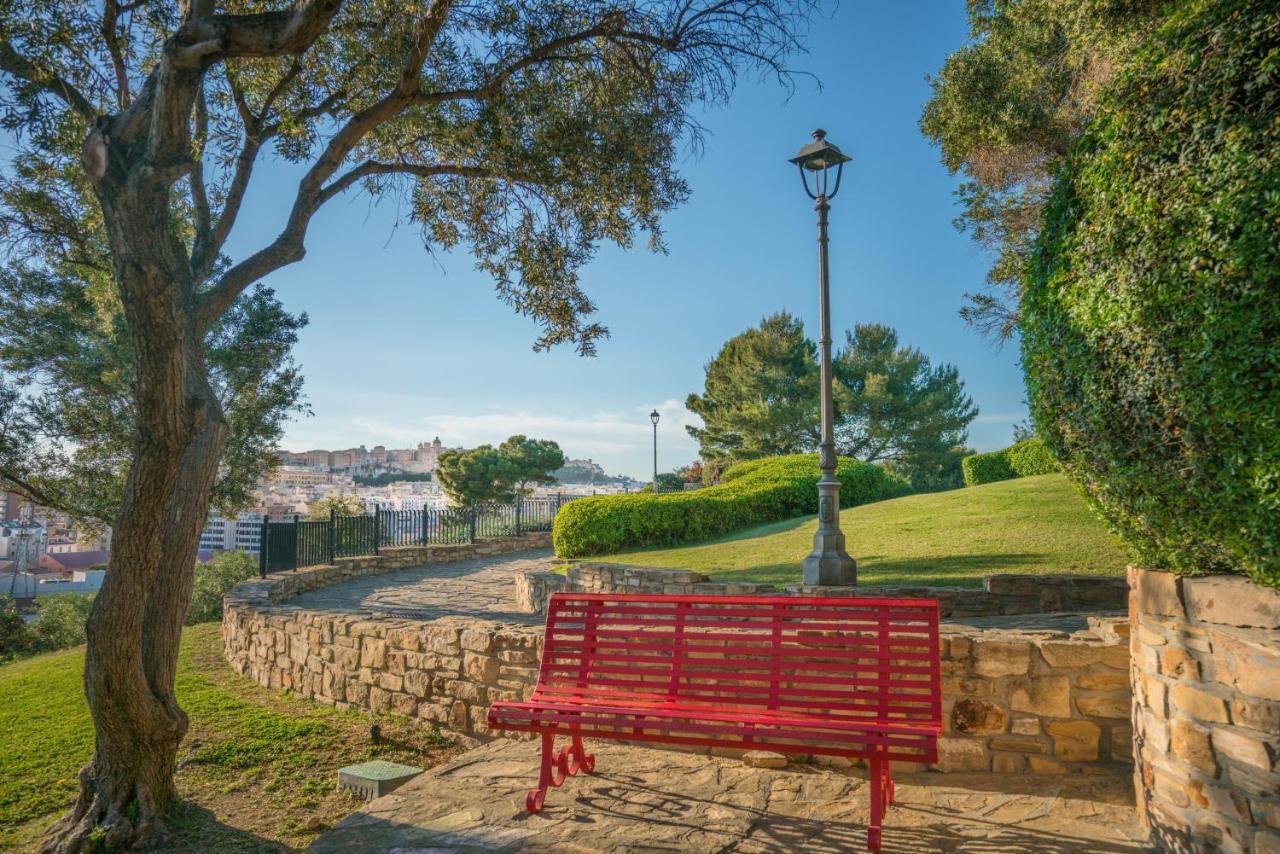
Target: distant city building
241,534
29,542
361,460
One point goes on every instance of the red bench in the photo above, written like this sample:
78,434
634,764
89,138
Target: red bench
815,675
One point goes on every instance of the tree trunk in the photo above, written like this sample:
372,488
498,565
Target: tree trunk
136,622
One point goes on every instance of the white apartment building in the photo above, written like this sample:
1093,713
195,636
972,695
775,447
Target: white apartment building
241,534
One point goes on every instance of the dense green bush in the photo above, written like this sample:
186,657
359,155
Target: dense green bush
1026,458
987,468
1151,314
750,493
213,580
59,623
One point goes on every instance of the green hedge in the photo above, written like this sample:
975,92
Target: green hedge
751,493
1026,458
1151,309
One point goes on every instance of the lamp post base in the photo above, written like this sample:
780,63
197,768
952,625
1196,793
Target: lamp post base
828,564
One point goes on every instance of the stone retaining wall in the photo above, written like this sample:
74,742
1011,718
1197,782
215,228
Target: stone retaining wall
1000,595
1047,702
1206,711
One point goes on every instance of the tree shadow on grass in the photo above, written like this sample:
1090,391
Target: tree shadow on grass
194,828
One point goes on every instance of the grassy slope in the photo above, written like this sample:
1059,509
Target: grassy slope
1034,525
256,768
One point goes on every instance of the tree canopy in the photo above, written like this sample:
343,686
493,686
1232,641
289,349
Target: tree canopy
761,398
487,473
1005,109
525,134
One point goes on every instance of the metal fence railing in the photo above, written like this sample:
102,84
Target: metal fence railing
296,542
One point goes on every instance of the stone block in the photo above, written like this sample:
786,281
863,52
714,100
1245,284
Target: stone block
1231,601
477,640
404,704
1001,658
1158,593
1241,746
373,652
1103,681
1194,701
1113,705
1044,765
1072,655
1015,744
1177,663
1074,741
1025,726
977,717
1191,744
417,683
390,682
1008,763
764,759
1122,743
1250,664
1049,696
480,668
1256,714
379,699
961,754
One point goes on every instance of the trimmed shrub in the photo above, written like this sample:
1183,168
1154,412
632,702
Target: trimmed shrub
987,468
750,493
1151,308
1030,457
1026,458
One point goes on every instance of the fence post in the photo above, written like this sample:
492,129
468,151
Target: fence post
471,524
295,542
377,532
518,503
333,534
424,524
262,545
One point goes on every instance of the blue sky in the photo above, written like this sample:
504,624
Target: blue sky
404,346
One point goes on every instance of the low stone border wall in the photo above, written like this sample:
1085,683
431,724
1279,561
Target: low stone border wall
1206,676
1047,702
1000,595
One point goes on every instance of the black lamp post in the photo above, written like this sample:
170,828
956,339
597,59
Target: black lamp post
828,563
653,416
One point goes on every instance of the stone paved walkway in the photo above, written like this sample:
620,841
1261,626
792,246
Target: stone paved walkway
645,800
484,587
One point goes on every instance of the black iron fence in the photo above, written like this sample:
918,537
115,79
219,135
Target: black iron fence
296,542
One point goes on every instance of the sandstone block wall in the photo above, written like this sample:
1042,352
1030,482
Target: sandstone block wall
1015,701
1038,702
1206,711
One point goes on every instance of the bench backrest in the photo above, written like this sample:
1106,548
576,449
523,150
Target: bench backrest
846,657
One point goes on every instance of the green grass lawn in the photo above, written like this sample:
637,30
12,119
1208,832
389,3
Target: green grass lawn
257,770
1034,525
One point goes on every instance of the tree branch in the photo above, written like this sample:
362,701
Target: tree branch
110,16
288,246
24,69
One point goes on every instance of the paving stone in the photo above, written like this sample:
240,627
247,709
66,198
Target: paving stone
642,799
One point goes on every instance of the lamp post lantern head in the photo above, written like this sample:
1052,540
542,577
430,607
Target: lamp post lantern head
819,157
653,416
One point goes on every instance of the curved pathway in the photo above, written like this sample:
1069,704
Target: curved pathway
481,587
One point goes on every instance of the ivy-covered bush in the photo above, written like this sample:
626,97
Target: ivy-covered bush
1151,314
750,493
1026,458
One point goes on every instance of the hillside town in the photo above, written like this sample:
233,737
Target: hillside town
43,551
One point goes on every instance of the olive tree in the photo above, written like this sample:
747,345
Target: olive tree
526,133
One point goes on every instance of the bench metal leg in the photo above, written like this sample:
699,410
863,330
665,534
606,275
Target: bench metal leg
574,758
551,773
881,784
